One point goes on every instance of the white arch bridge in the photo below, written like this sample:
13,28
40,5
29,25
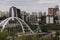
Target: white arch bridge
24,26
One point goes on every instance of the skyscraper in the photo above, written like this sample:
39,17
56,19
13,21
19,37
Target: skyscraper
55,16
50,11
49,17
11,11
14,12
18,13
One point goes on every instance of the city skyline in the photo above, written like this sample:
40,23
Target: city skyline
29,5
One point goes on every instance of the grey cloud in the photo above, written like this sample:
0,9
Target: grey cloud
29,5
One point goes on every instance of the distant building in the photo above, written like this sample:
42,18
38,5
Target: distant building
16,11
43,18
34,13
33,18
53,12
56,9
39,15
25,16
49,19
50,11
58,16
5,14
11,10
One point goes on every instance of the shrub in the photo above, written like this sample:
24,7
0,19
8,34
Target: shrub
28,37
3,35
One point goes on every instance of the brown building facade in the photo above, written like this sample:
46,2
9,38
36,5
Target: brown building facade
50,11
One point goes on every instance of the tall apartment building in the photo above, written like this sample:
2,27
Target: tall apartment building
56,9
17,12
50,11
39,15
5,14
49,17
58,15
25,16
11,11
43,18
33,18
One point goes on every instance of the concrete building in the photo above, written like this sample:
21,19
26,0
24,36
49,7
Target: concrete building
33,18
50,11
17,12
39,15
58,15
53,12
49,19
56,9
5,14
43,18
25,16
11,10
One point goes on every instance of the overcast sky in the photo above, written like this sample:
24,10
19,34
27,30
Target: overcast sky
29,5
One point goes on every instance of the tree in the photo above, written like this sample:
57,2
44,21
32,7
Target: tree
3,35
28,37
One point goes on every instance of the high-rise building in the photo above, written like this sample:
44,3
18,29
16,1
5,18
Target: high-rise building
5,14
16,13
25,16
58,16
33,18
43,18
56,9
23,13
11,13
39,14
55,16
53,12
49,19
50,11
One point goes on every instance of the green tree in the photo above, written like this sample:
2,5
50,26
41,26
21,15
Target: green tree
28,37
3,35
